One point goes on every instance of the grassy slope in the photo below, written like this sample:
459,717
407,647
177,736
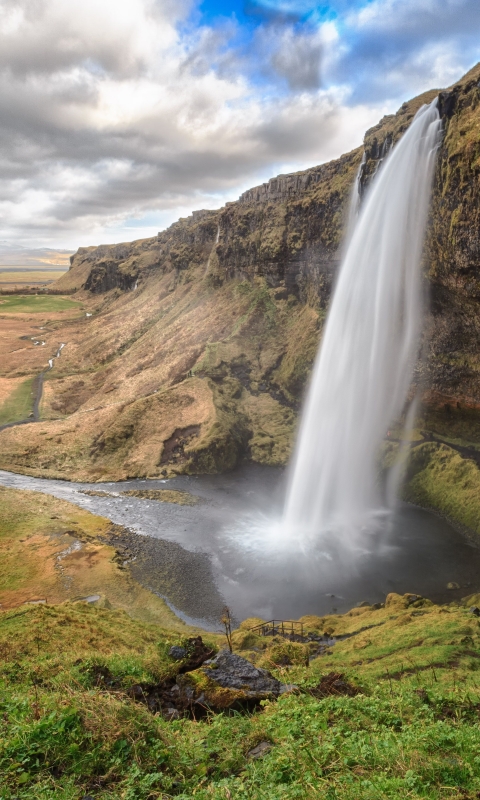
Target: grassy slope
53,550
438,477
412,731
19,404
122,387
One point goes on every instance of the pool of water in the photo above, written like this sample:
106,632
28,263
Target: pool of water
204,556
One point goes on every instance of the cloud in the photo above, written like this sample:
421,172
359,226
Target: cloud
292,53
406,46
112,115
116,118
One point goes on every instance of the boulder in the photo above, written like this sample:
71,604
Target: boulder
232,672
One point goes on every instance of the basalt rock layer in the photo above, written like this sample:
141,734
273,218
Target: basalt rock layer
199,341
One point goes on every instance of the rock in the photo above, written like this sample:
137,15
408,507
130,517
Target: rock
475,610
259,750
233,672
412,598
171,714
194,653
453,585
177,652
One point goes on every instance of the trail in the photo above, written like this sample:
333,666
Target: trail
35,417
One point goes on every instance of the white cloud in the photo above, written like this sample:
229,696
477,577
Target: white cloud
107,118
120,117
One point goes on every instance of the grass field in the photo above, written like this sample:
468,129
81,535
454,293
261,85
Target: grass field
28,304
20,403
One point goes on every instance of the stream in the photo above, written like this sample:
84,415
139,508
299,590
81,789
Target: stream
201,557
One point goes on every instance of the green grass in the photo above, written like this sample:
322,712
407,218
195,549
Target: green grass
20,403
28,304
412,731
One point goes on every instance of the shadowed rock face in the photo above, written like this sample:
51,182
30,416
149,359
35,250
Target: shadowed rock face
212,326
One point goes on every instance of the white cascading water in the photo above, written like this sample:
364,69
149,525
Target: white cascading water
364,367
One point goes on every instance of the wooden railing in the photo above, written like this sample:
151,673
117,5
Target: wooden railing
279,627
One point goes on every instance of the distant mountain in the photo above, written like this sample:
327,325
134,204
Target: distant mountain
44,257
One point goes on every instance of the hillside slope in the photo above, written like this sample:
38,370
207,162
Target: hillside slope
391,710
198,342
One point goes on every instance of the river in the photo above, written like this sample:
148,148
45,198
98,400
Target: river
201,557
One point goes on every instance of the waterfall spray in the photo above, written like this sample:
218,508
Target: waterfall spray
364,367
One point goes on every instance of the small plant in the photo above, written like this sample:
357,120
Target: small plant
227,622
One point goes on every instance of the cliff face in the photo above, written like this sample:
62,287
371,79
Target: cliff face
202,337
289,230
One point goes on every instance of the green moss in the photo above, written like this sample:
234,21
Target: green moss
453,422
164,496
272,430
302,344
440,478
224,443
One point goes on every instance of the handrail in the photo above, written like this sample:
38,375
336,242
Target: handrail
279,627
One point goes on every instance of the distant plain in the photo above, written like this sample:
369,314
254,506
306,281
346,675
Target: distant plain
23,277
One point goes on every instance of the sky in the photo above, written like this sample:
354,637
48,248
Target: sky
117,118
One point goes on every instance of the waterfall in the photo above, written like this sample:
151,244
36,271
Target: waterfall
354,204
364,367
217,239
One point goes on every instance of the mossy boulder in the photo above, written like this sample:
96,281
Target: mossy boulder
229,677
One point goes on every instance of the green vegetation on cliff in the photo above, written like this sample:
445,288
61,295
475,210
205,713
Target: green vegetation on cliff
438,477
